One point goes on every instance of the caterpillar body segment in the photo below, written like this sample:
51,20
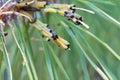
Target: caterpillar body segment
60,42
51,10
52,36
39,5
63,44
20,4
64,41
32,4
28,8
67,14
75,18
47,34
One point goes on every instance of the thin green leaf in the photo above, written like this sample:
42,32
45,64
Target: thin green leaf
48,62
59,63
105,45
102,2
22,53
1,58
89,59
102,13
7,60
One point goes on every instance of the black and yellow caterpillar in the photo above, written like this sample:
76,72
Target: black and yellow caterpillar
28,8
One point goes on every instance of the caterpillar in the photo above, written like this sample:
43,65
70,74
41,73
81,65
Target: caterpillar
27,10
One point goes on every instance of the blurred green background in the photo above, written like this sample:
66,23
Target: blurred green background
94,54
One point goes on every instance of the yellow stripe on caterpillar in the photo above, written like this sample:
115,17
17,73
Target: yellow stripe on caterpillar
47,34
54,11
64,41
22,4
39,5
61,43
35,4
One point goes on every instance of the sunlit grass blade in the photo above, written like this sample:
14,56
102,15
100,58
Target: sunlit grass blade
107,71
7,60
102,2
1,57
55,73
49,66
59,64
22,53
105,45
48,61
102,42
99,40
27,51
88,58
83,62
28,48
101,13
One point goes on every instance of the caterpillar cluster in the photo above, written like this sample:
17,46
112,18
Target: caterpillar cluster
27,9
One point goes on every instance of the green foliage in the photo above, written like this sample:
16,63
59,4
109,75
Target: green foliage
94,53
